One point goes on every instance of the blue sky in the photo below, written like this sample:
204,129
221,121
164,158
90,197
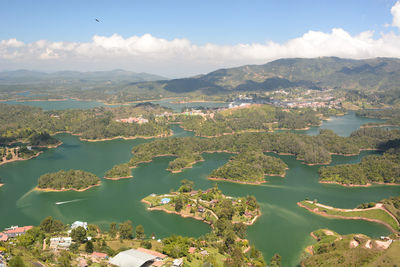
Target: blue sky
220,22
180,38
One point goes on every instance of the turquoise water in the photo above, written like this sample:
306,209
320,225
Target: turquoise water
283,227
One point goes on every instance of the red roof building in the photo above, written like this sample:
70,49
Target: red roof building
16,231
152,252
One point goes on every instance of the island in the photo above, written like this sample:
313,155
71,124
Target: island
310,149
373,169
120,171
209,205
385,212
76,180
249,167
333,249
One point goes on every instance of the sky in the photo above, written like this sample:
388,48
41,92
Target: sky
184,38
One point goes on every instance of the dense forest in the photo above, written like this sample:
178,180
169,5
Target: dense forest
310,149
392,116
68,180
252,118
19,122
250,167
119,171
372,169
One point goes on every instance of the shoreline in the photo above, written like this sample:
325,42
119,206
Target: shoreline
21,159
118,178
126,138
66,189
235,181
173,212
190,166
358,185
348,218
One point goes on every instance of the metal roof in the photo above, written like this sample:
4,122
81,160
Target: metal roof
132,258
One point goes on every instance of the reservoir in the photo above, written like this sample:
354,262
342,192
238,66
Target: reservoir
283,228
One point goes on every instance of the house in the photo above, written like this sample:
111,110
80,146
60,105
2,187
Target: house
177,262
76,224
201,209
158,264
99,255
3,237
165,200
15,231
133,258
192,250
157,254
204,253
60,242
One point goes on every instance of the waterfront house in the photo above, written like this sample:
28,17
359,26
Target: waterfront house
76,224
99,255
159,256
15,231
3,237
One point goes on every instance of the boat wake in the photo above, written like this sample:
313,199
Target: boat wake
69,201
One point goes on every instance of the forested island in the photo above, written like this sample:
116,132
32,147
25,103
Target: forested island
386,212
373,169
19,122
249,167
209,205
310,149
119,171
249,118
62,180
333,249
390,115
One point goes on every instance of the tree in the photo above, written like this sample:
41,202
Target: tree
49,225
178,204
113,230
65,259
276,260
126,230
89,247
78,234
16,262
186,186
240,229
140,232
74,247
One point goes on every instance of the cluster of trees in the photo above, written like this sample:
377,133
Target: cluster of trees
392,115
250,166
253,118
372,169
310,149
33,124
120,170
125,230
72,179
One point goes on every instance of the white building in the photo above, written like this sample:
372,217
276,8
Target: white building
79,223
60,242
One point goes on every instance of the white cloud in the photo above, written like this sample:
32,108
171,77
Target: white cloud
180,57
396,14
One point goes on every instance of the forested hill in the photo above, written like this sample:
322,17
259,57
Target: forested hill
315,73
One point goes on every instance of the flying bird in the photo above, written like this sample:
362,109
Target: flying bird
97,20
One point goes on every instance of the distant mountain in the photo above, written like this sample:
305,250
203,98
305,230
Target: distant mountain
27,76
315,73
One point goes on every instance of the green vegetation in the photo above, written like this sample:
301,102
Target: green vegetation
376,214
310,149
68,180
250,167
392,116
371,169
210,205
251,118
333,249
119,171
393,206
32,125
